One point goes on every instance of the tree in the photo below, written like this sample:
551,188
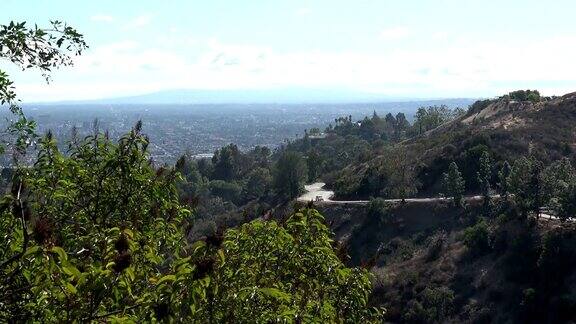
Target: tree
402,176
390,121
192,182
83,231
518,182
205,167
454,184
314,164
484,174
402,125
99,236
274,273
258,185
476,238
504,179
432,117
33,48
421,119
227,164
470,165
535,187
525,95
526,185
290,174
566,206
230,191
261,156
378,212
558,183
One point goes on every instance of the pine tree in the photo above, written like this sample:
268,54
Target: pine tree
567,203
526,184
454,184
484,173
504,179
536,188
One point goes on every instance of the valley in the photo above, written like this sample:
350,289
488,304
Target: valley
287,162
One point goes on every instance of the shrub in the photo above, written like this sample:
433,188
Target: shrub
434,305
556,256
476,238
378,212
439,301
525,95
226,190
435,246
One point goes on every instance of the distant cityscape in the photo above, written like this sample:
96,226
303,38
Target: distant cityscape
199,130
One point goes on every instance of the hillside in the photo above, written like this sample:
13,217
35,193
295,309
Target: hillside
436,263
509,128
492,260
506,128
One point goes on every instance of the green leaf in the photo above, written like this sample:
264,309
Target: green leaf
129,233
181,262
60,251
71,270
32,250
275,293
130,273
71,288
221,255
166,278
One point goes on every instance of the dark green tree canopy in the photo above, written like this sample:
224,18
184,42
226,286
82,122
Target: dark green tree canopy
99,234
454,184
290,174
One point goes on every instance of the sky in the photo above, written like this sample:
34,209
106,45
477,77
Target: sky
408,48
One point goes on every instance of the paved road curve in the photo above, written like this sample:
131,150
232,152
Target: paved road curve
317,190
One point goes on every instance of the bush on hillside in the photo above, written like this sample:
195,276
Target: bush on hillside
378,212
525,95
476,238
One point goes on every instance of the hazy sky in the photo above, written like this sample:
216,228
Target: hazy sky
408,48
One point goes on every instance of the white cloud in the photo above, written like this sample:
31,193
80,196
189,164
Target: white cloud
394,33
440,36
465,68
303,11
139,21
102,18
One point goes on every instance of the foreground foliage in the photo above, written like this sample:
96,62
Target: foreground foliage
99,235
44,49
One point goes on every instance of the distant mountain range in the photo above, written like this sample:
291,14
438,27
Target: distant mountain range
268,96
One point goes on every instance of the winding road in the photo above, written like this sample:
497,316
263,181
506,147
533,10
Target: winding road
316,190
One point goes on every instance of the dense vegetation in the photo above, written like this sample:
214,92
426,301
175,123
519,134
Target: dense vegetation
101,235
98,233
350,144
365,158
